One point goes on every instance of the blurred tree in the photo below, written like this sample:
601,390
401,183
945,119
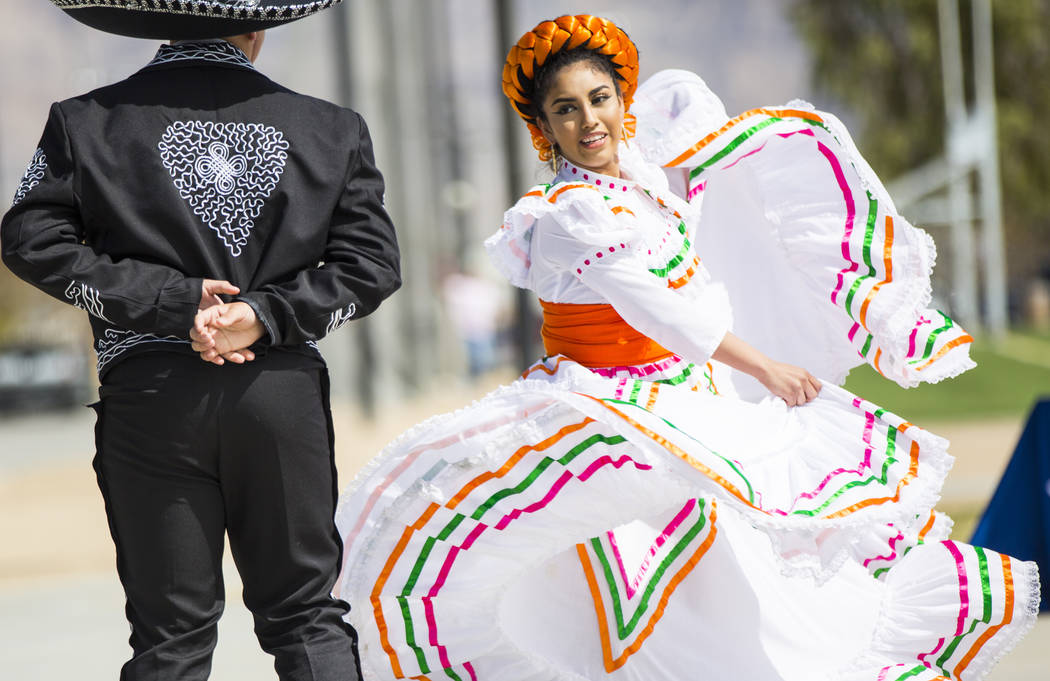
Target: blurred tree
881,58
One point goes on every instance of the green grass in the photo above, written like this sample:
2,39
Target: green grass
1010,377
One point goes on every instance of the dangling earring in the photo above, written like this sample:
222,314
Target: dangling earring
555,158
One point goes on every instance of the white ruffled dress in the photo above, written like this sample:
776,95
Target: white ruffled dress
667,520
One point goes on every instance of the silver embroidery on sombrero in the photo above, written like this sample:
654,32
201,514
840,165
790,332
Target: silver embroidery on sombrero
86,298
340,317
218,51
243,9
225,172
34,173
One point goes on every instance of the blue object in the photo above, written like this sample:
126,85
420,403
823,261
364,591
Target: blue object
1017,520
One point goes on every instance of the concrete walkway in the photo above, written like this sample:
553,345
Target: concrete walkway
61,607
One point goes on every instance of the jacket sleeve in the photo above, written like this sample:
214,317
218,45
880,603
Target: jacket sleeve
360,267
43,241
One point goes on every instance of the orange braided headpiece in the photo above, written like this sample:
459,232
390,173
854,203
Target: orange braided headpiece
567,33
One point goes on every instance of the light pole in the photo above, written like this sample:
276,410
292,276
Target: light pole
525,319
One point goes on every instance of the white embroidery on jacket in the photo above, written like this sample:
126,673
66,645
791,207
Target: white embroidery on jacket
220,52
32,176
340,317
225,172
219,169
118,341
86,298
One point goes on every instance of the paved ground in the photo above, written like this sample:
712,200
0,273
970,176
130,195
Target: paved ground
61,606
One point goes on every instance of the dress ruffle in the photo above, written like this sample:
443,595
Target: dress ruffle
963,607
624,510
822,270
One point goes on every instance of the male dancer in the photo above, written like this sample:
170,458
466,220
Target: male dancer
147,200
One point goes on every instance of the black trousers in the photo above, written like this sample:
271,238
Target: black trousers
188,451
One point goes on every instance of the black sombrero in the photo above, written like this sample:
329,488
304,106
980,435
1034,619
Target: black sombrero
188,19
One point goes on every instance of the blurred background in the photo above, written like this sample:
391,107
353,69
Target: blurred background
945,98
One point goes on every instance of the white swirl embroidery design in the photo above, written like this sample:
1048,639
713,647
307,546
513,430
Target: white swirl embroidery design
340,317
86,298
119,341
225,172
34,173
218,52
219,169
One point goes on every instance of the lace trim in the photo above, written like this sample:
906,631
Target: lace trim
887,633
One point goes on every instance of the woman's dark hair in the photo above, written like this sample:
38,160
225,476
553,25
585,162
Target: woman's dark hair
544,75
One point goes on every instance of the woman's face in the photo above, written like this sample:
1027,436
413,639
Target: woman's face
583,115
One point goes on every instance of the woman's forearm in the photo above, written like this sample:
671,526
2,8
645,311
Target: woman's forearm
793,384
737,354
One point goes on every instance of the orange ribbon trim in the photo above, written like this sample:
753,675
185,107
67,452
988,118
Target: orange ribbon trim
611,663
991,631
774,113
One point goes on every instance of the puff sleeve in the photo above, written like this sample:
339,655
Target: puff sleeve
605,253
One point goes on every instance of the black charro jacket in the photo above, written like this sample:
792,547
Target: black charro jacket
196,167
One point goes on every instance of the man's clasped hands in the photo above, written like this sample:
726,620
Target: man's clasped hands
223,331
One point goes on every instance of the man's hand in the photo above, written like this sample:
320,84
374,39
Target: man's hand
210,290
223,332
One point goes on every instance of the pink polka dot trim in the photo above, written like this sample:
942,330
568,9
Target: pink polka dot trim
600,254
597,182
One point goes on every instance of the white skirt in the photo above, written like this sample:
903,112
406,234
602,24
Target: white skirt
566,528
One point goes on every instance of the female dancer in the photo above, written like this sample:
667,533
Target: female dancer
620,511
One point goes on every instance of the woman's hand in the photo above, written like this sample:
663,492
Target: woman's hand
793,384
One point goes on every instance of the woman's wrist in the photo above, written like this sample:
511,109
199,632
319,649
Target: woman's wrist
763,369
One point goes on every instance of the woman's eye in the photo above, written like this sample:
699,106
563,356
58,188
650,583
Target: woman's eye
564,109
599,99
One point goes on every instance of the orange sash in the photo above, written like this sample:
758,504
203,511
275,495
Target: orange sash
595,336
